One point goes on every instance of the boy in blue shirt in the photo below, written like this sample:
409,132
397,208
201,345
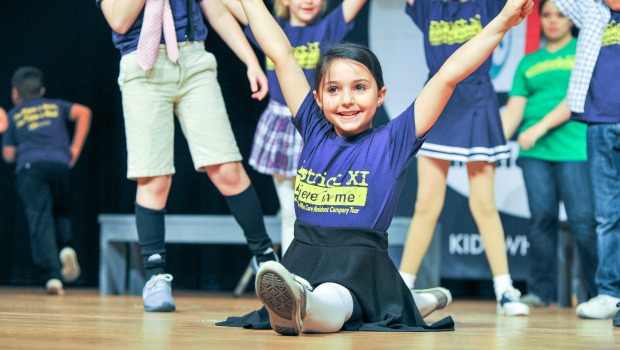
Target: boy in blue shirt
37,139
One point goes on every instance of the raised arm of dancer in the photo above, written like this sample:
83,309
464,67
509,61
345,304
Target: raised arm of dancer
350,9
228,29
121,14
277,47
464,61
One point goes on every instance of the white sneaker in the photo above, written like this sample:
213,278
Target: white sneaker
511,305
70,267
600,307
157,294
54,286
284,297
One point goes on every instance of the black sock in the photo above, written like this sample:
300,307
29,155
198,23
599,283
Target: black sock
151,233
246,209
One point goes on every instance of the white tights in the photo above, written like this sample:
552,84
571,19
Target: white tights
286,196
328,307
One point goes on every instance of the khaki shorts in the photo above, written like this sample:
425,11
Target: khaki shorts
188,89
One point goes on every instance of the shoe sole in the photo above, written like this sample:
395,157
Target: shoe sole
522,311
163,308
70,267
276,288
54,289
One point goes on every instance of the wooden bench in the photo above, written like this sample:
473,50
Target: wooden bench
120,267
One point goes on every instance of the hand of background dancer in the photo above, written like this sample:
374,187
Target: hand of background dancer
277,47
258,82
224,23
527,139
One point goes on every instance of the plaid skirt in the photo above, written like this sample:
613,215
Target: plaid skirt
277,143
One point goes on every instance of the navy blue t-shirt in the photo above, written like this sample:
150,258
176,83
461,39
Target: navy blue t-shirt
308,42
38,130
128,42
603,99
354,181
447,25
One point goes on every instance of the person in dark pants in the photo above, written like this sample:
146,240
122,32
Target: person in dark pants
593,99
38,140
553,158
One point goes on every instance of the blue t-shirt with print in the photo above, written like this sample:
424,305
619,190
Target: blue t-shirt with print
603,102
447,25
354,181
38,130
308,42
128,42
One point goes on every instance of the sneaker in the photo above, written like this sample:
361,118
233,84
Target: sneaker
616,320
54,286
511,305
284,297
258,260
533,300
70,267
157,294
441,295
600,307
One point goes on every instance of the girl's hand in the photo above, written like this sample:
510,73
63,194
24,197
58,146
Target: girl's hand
258,83
515,11
527,139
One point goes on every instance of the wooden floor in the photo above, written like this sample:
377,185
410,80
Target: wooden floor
82,319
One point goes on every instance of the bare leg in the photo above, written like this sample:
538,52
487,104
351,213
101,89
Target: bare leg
432,174
484,211
229,178
153,192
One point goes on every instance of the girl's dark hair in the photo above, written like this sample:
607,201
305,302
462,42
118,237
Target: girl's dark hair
28,81
349,51
541,4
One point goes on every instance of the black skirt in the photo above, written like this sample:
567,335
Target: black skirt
357,259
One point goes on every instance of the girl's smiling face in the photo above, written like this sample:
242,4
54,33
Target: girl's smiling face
349,97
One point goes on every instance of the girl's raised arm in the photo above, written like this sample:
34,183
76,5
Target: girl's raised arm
277,47
351,8
463,62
